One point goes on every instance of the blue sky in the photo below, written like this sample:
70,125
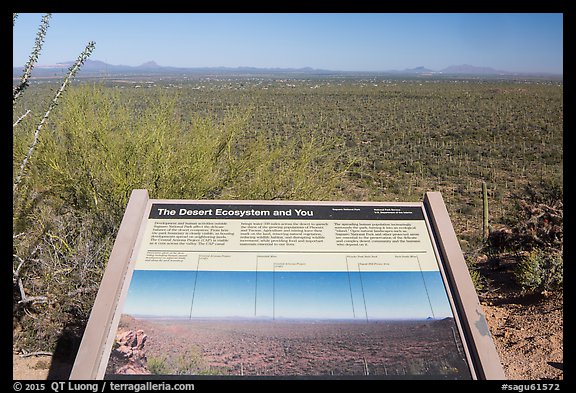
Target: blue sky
319,295
347,42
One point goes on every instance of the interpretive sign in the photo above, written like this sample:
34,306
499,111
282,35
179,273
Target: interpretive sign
251,289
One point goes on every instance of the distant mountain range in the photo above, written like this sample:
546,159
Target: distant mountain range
463,69
100,68
97,67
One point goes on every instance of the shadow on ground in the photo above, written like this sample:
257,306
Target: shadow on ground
65,352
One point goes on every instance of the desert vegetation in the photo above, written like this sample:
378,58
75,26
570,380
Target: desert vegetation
306,138
235,140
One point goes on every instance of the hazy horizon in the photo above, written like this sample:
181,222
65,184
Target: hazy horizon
146,66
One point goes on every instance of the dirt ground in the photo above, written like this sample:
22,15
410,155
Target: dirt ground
527,330
39,368
528,334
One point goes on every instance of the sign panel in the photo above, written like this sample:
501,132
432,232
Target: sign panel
262,289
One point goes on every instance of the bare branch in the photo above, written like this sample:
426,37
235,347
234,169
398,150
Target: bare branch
16,273
40,36
27,312
29,299
18,235
21,287
34,300
82,290
20,118
39,353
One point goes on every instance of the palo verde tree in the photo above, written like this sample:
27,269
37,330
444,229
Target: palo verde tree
32,296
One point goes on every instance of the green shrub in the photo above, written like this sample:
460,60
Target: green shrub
189,362
477,278
540,270
157,366
100,145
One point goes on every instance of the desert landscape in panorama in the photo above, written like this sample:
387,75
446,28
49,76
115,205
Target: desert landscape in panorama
316,348
288,323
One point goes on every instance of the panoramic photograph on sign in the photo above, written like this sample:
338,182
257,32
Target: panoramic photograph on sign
280,290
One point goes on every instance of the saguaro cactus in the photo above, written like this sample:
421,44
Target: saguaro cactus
485,227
